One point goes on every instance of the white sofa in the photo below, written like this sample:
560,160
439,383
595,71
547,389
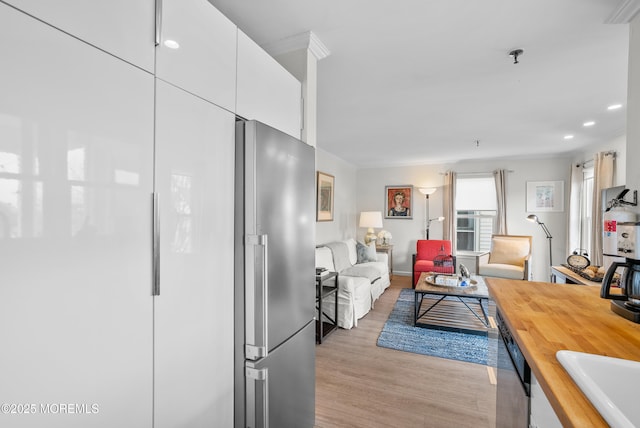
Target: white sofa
359,284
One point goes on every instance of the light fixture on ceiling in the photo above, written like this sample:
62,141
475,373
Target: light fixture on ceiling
515,54
568,137
589,123
614,106
171,44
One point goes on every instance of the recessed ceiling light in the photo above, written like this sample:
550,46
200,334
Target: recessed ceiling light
614,106
171,44
589,123
568,137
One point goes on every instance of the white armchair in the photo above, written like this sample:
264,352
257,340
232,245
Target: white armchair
509,257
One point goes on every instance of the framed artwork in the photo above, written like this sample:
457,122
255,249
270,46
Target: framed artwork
324,196
545,196
398,202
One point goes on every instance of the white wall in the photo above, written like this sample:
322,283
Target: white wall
633,109
370,196
344,219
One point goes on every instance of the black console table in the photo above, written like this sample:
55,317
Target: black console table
325,323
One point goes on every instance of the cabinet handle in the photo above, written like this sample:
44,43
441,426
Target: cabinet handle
156,244
158,21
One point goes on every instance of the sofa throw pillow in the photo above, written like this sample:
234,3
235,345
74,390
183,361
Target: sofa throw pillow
366,253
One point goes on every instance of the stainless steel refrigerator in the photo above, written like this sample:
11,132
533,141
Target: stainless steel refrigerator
274,279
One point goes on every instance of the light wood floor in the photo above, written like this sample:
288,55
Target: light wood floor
359,384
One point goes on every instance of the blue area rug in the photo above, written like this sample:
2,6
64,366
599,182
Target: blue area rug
400,334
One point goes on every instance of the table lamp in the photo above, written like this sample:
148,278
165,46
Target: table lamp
370,219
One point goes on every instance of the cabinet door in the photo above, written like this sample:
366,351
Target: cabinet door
194,311
267,92
123,28
76,160
204,63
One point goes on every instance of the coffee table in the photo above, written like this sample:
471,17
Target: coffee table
471,297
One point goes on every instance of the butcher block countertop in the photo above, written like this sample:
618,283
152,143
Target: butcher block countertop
545,318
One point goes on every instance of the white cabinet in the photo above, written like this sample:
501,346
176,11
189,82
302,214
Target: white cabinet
266,91
123,28
204,60
542,414
194,311
76,164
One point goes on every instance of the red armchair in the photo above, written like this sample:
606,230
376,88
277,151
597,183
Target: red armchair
426,252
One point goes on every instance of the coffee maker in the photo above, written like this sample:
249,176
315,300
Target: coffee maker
626,304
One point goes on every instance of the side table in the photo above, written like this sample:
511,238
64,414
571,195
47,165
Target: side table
323,290
389,250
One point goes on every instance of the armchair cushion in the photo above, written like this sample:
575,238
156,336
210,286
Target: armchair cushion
502,271
426,252
506,250
510,257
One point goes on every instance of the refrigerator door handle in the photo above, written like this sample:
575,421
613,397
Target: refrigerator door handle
257,298
257,398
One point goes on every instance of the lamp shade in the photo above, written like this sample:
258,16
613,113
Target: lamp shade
427,190
370,219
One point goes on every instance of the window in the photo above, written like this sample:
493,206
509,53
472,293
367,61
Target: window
476,212
586,204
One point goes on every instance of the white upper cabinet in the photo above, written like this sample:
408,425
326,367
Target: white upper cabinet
76,170
267,92
124,28
197,50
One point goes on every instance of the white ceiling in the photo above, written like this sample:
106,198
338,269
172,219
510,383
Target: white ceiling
419,81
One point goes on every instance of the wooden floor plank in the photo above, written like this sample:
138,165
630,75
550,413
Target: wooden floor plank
359,384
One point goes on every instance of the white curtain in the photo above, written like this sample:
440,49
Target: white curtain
602,178
575,192
500,176
450,210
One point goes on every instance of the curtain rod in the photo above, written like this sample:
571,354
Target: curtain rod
609,153
477,173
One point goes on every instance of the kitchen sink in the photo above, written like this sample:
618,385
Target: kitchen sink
609,383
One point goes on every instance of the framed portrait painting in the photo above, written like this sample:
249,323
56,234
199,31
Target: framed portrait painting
324,193
545,196
398,202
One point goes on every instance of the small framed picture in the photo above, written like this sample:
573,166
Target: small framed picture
324,193
398,202
543,196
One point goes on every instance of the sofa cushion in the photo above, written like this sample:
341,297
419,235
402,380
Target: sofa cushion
351,248
341,255
366,270
324,258
366,253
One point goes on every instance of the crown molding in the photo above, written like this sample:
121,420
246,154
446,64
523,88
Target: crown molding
624,13
297,42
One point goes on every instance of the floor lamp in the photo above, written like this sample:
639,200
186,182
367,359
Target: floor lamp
429,223
426,191
534,218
